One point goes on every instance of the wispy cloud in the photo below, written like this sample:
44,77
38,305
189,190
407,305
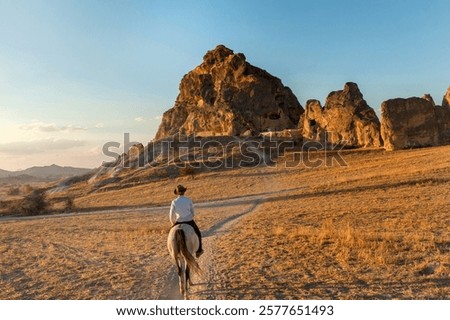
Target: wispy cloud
142,119
50,127
100,125
39,146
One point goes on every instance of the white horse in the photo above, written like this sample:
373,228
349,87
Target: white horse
182,243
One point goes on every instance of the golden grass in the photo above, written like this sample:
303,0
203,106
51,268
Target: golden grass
332,259
366,234
101,256
378,228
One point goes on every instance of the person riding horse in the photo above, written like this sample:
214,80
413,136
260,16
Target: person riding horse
182,211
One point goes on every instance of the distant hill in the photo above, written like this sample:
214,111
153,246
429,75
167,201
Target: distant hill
4,173
23,178
45,172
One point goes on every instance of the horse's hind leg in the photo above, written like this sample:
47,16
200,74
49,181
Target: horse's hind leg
180,273
178,263
188,276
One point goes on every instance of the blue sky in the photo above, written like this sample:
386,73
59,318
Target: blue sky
77,74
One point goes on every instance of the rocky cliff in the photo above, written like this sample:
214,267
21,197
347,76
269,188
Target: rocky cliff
409,123
415,122
346,119
225,95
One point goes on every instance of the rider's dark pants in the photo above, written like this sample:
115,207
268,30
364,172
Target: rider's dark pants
197,231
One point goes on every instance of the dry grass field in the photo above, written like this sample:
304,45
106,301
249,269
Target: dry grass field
377,228
101,256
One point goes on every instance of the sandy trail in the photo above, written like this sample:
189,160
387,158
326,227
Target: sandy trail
205,284
203,287
240,200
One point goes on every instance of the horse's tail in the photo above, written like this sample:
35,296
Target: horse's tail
181,243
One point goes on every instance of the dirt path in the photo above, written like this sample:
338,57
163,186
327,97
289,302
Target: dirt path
205,287
125,210
204,284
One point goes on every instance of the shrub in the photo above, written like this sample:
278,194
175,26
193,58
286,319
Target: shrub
188,171
34,203
69,205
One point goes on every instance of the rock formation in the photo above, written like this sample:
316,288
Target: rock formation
225,95
446,99
345,119
443,118
443,121
313,123
428,97
409,123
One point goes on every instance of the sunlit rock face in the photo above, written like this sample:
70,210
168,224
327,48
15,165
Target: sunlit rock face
345,119
225,95
408,123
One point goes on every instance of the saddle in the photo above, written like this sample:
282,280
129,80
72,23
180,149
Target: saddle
189,223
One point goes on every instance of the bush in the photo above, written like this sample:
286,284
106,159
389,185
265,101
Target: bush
69,205
188,171
33,204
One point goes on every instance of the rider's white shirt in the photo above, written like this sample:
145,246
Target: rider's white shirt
181,210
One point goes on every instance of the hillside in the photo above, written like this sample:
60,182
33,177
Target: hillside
375,228
4,173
